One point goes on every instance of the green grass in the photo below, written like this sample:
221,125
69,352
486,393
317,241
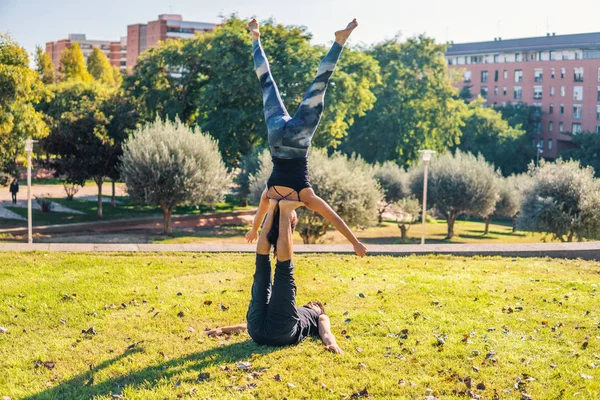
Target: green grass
125,210
459,298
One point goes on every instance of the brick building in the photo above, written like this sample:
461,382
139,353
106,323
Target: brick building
115,51
560,74
168,26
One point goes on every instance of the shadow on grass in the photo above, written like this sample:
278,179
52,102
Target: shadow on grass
83,387
508,233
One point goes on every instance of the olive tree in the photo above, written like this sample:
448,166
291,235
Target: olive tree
457,184
507,205
393,181
563,201
346,184
406,212
168,163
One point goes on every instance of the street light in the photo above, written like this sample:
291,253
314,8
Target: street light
28,149
426,157
539,151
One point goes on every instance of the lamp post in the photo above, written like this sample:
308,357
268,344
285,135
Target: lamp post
539,151
426,157
28,150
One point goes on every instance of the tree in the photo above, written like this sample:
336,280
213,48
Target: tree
507,205
563,201
44,66
484,131
521,116
586,150
99,67
346,184
249,165
415,108
19,88
167,164
72,65
457,184
210,81
89,122
465,93
393,181
406,212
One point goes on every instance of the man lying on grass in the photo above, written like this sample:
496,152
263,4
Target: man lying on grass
273,318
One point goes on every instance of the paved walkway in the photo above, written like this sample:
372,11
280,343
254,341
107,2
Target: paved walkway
586,250
59,191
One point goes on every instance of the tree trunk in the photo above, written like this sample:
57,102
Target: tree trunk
167,219
487,220
113,200
451,220
380,218
404,231
514,222
570,237
99,183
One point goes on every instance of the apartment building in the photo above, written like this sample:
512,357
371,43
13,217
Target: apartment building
168,26
559,74
116,51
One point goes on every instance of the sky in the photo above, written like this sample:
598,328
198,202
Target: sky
35,22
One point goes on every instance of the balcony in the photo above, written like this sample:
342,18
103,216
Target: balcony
578,78
537,96
538,78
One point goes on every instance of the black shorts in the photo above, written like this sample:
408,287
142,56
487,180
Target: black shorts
291,173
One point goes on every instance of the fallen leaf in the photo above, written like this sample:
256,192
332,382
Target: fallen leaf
476,369
117,395
133,345
584,376
361,295
90,331
223,307
180,314
481,386
3,330
291,385
203,376
277,378
401,382
207,302
245,365
360,394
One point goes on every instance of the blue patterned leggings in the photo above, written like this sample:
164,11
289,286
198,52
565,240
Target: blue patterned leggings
291,137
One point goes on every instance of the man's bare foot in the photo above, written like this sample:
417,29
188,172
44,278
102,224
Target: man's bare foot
289,205
253,28
360,249
342,36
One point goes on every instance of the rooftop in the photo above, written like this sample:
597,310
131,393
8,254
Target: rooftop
540,43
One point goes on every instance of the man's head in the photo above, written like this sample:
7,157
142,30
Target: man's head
273,234
316,306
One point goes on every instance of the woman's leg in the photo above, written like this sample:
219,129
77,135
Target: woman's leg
275,113
318,205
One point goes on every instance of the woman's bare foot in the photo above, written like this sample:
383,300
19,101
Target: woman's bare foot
342,36
253,28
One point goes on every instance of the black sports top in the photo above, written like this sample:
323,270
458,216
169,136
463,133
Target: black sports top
291,173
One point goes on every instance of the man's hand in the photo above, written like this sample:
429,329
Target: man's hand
251,235
214,332
334,348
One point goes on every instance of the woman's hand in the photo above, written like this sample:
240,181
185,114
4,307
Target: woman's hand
214,332
334,348
251,236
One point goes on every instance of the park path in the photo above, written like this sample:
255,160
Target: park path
58,191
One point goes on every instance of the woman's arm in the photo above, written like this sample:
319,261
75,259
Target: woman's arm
263,207
327,336
226,329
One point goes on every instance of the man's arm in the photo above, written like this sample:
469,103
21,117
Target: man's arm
226,329
327,336
263,246
263,207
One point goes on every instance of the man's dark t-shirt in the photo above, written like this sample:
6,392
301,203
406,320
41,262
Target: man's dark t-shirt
308,323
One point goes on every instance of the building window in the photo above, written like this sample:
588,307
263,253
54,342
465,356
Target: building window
467,76
518,75
517,92
577,92
541,144
496,76
576,128
552,55
577,111
561,127
550,126
577,55
538,75
563,72
552,72
551,109
549,144
565,56
537,92
504,90
563,91
484,76
517,57
598,94
484,92
495,90
496,58
578,74
551,90
598,74
562,109
597,128
506,74
537,127
449,61
598,112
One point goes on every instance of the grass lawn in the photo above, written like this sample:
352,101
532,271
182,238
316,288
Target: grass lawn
125,210
387,233
510,325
